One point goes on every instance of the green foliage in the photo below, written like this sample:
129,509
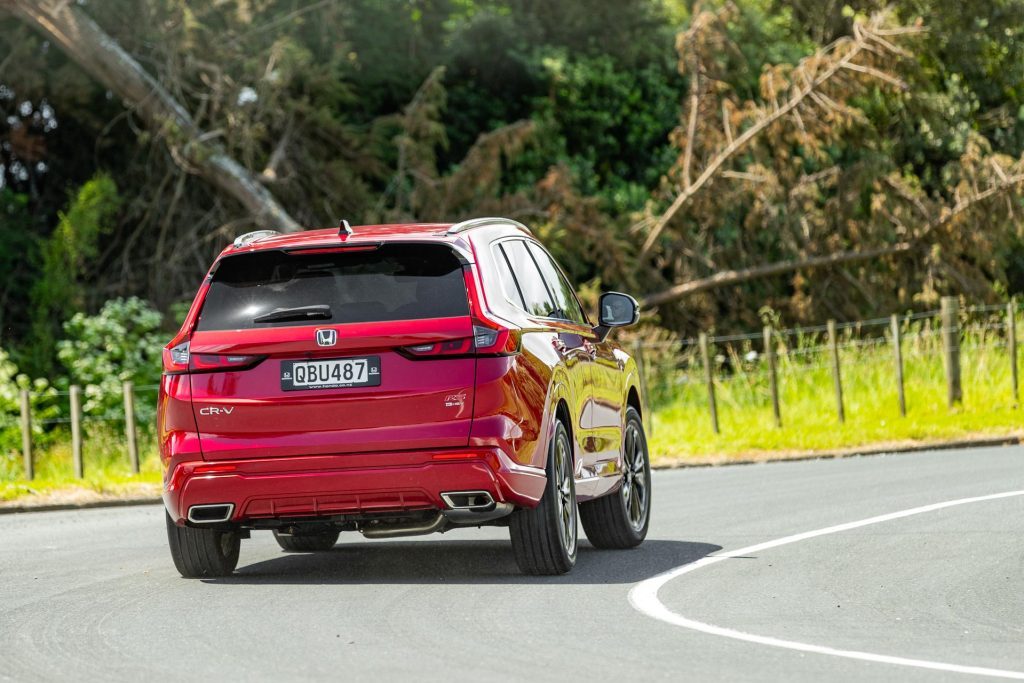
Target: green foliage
610,124
569,115
121,342
18,259
68,255
42,398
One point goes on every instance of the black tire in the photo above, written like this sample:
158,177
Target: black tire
310,543
621,519
202,552
545,538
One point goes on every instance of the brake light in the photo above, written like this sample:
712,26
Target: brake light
449,347
176,358
492,338
210,362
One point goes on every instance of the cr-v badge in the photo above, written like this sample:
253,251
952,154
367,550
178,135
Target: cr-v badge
326,337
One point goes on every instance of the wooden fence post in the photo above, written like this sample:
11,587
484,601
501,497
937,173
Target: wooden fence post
897,349
129,425
951,349
709,379
773,382
1011,341
76,430
26,434
836,375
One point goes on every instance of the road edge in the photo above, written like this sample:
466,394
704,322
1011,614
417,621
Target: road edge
869,450
986,442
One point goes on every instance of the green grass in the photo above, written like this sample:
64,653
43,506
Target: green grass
682,427
105,464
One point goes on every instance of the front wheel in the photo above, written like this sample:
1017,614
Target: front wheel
620,520
202,552
544,538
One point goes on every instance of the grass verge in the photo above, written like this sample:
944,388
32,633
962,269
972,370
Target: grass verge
682,430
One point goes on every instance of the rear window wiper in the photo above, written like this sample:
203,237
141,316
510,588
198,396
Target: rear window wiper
317,312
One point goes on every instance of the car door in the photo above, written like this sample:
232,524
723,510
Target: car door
546,305
605,376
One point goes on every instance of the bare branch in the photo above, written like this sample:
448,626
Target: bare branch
810,89
733,277
875,73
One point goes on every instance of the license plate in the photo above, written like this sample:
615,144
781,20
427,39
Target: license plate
337,373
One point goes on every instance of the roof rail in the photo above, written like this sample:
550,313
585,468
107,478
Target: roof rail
480,222
254,236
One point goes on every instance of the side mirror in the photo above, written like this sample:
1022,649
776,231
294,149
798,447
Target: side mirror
615,310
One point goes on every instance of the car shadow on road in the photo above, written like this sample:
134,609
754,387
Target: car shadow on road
460,562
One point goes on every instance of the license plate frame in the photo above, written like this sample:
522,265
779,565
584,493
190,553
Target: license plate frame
330,373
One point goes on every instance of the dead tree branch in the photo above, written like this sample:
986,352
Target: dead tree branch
99,55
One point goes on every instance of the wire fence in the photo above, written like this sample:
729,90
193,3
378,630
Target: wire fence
879,357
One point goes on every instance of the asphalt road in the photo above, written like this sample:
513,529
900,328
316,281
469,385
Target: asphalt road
92,595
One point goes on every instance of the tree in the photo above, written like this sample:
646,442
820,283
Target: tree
195,150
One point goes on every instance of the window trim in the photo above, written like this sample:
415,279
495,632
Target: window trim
496,244
565,280
519,290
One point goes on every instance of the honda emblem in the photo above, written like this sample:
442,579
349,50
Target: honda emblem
326,337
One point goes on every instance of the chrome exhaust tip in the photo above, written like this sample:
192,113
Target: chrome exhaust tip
479,501
210,514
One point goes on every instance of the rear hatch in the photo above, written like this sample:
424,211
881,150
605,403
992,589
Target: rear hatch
322,351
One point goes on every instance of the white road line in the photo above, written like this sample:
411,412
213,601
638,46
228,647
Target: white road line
644,596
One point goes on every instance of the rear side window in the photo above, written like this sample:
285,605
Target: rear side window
531,284
565,298
394,282
505,277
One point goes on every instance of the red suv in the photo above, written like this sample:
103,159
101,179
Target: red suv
399,380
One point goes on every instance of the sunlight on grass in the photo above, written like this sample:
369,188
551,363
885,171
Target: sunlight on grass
105,463
682,428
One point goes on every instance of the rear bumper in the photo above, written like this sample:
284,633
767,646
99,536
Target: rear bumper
318,486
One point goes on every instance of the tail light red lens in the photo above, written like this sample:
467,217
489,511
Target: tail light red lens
493,339
487,339
450,347
209,362
176,358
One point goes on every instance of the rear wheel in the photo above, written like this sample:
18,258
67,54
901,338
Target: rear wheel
620,520
202,552
310,543
544,538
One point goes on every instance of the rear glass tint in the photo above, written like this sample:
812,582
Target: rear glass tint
394,282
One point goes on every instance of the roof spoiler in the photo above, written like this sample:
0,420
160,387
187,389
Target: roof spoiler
481,222
254,236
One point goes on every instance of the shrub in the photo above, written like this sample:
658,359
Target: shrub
121,342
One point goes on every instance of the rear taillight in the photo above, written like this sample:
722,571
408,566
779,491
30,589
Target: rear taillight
176,358
487,339
493,339
451,347
209,362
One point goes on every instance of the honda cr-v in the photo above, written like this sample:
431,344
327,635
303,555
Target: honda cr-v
398,380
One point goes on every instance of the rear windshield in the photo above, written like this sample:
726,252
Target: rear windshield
394,282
